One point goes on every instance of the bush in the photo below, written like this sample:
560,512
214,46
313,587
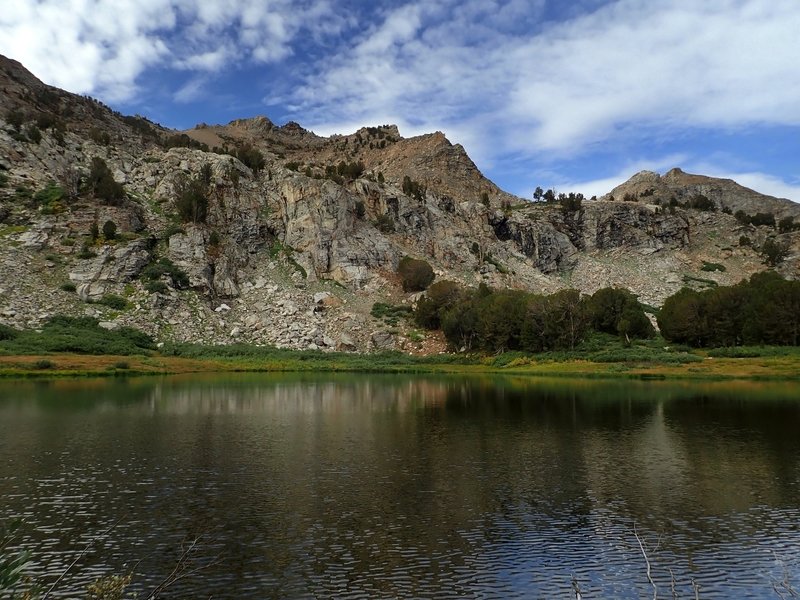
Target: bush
773,252
33,133
68,286
787,224
390,313
711,267
360,209
101,183
156,286
413,189
99,136
251,157
113,301
385,223
79,334
192,203
86,252
50,194
110,230
701,202
351,170
165,266
7,333
440,297
415,275
15,118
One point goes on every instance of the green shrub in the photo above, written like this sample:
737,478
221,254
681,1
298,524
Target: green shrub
7,333
44,364
33,133
102,184
113,301
390,313
165,266
86,252
385,223
415,275
49,196
68,286
3,180
413,189
98,136
192,201
773,252
110,230
172,229
15,118
360,209
711,267
251,157
156,286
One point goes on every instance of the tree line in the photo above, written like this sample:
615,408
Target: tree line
500,320
762,310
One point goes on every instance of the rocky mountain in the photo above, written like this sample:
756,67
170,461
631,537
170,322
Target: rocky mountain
271,234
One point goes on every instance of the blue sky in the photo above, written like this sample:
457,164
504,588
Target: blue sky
576,95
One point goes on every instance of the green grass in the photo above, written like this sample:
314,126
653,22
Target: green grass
82,335
754,351
390,313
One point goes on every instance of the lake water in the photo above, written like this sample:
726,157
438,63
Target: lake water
407,487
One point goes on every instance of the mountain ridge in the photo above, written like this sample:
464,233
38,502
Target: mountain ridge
301,235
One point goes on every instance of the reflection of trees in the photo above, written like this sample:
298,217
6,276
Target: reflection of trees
349,481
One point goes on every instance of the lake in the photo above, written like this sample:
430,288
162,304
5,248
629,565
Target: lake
350,486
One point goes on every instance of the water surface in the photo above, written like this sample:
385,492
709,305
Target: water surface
398,486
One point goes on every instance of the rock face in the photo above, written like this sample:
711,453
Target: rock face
295,251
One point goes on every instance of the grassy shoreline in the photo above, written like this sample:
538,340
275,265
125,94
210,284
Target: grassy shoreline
780,366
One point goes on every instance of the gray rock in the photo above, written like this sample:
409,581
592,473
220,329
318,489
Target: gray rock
383,340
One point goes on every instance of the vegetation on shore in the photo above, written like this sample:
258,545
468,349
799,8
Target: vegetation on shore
601,356
606,334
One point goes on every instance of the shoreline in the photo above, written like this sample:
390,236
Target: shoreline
66,365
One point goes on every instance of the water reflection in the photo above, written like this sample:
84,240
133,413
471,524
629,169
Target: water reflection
344,486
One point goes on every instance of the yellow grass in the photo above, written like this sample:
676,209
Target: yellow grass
72,365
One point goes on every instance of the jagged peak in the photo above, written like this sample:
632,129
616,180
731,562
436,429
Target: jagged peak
258,123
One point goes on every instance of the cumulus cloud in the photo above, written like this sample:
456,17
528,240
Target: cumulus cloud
104,46
622,70
761,182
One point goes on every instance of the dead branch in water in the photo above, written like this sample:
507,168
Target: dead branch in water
647,562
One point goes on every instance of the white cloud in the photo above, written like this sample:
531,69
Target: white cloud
623,70
104,46
760,182
603,185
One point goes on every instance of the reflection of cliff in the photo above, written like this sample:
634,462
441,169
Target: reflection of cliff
326,396
397,486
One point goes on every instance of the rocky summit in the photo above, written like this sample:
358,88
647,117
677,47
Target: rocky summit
269,234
